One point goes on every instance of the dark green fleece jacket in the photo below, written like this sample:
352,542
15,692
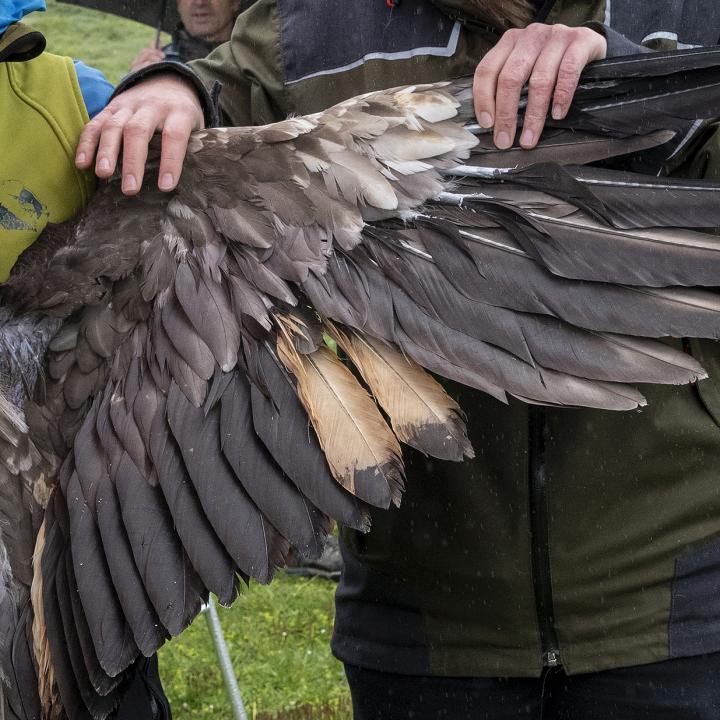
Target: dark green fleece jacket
580,537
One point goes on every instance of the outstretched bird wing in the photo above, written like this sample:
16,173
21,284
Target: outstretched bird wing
203,427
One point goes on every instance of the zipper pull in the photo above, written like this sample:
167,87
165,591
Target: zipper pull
551,658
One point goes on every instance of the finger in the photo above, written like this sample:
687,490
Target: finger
109,143
89,138
511,81
136,137
485,79
578,54
541,87
175,136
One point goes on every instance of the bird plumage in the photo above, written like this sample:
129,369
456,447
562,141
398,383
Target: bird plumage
202,427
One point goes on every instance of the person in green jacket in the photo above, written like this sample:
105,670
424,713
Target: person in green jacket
571,570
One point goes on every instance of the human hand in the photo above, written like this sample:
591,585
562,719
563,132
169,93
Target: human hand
550,58
164,103
147,56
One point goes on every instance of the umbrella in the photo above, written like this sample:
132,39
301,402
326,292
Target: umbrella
161,14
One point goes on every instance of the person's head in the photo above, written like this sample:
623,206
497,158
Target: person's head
209,19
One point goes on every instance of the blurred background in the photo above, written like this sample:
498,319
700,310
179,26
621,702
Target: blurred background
104,41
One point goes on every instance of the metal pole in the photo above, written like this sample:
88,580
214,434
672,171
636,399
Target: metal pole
161,20
225,663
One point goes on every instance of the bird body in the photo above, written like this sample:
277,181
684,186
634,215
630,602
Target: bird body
192,422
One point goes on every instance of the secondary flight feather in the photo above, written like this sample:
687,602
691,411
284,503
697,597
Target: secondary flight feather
179,424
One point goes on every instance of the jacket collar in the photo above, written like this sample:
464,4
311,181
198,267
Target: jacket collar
20,43
190,47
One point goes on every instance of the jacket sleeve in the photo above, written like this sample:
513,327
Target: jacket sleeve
95,88
248,68
618,44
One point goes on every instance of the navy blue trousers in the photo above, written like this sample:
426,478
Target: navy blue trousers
678,689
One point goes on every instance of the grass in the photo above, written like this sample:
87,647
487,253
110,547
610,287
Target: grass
278,635
104,41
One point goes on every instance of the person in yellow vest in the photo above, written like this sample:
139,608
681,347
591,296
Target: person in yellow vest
45,101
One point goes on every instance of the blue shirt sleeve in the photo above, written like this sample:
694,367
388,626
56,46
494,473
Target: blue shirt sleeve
95,89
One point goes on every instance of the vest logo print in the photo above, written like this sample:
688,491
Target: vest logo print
20,209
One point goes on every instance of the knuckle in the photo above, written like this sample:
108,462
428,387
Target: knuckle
482,71
569,70
512,75
91,129
511,78
115,122
135,128
174,134
562,97
541,83
538,30
561,30
534,115
101,119
185,107
505,118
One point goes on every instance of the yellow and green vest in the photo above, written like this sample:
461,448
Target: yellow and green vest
42,114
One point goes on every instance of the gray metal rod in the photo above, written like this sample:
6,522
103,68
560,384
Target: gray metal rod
231,685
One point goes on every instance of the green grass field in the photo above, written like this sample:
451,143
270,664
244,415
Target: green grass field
278,635
103,41
278,638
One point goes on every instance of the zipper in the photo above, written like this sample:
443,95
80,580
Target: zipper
540,540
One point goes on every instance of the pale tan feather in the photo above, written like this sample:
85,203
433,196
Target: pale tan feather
362,452
49,697
422,414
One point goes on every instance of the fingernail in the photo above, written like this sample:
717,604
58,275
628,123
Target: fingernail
80,159
557,112
528,137
166,181
503,140
485,120
104,164
129,183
